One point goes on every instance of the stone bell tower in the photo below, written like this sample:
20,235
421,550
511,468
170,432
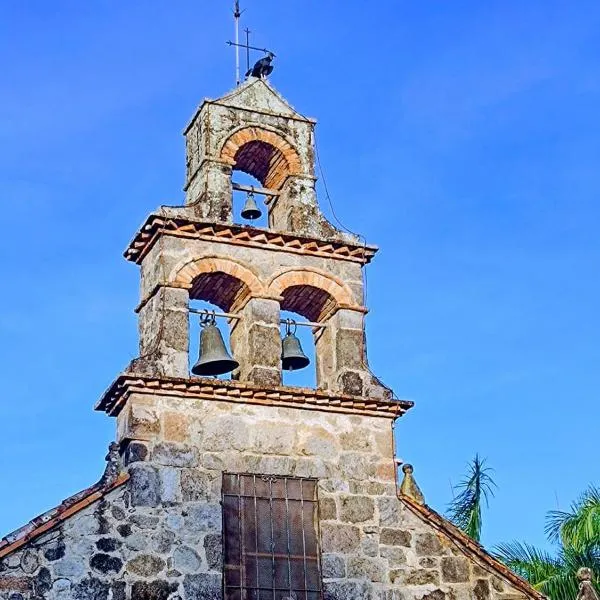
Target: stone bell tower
300,262
247,489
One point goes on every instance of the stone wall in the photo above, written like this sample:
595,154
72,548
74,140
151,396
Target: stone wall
159,536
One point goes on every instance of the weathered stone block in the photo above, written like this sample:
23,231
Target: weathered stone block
91,589
333,566
360,567
455,569
69,566
345,590
395,556
175,455
327,509
356,509
317,441
105,564
428,544
389,511
340,538
186,560
395,537
152,590
203,585
353,465
421,577
274,438
145,565
175,427
144,485
482,591
213,549
195,485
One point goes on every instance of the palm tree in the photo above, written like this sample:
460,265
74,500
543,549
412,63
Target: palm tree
577,534
465,510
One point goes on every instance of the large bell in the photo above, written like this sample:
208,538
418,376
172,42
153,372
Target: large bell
251,210
292,356
214,358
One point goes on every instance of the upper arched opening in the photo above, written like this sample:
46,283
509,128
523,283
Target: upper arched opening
310,293
220,281
263,154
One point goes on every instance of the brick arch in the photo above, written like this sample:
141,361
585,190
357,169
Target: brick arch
221,281
311,293
262,153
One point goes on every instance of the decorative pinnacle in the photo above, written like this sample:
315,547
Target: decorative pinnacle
113,465
586,589
410,488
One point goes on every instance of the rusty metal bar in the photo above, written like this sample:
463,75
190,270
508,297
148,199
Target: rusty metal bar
261,191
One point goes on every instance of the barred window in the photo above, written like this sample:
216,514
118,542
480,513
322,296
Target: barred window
271,545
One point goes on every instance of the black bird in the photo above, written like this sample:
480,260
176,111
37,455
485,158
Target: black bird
263,67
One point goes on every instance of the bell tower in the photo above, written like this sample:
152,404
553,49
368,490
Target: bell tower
299,262
270,481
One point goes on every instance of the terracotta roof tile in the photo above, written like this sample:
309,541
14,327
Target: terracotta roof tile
469,546
53,517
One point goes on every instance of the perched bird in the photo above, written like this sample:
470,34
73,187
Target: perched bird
263,67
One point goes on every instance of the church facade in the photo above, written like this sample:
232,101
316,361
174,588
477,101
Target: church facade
248,489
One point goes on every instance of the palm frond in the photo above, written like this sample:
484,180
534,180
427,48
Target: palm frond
544,572
554,576
465,510
580,527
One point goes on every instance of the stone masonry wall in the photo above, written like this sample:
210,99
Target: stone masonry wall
159,536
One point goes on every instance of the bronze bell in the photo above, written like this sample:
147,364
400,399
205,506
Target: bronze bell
214,358
251,210
292,356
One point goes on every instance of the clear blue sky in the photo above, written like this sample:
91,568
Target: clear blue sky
463,138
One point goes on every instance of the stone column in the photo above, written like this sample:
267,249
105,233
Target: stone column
164,334
296,208
209,191
341,353
256,342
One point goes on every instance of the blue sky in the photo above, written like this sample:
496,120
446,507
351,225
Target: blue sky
463,138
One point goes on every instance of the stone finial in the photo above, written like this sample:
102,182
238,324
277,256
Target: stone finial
409,486
113,465
586,588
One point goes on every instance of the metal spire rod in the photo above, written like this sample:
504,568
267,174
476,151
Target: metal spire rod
236,16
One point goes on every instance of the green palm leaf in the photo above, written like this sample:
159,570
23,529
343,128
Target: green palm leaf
547,574
580,527
465,510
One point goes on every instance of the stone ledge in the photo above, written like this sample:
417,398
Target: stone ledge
157,225
115,398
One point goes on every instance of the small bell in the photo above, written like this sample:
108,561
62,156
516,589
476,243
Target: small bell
292,356
214,358
251,210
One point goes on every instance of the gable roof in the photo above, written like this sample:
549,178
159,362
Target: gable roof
469,546
55,516
260,96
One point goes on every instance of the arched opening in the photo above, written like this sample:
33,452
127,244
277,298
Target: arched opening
240,197
262,153
306,303
263,161
219,292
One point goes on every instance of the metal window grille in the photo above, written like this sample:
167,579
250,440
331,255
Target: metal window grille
271,542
